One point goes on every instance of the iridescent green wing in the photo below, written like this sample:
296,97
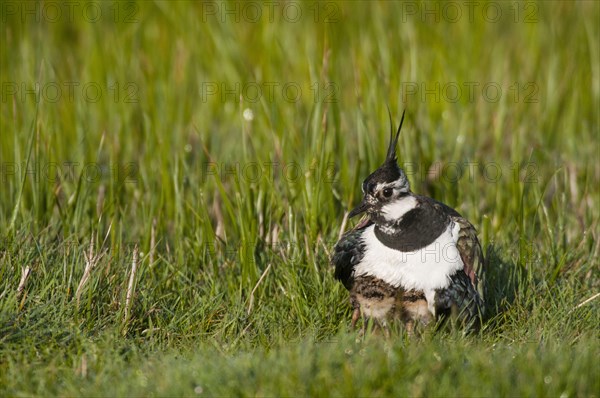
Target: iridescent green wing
471,253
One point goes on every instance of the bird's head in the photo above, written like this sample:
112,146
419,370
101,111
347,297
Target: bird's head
387,189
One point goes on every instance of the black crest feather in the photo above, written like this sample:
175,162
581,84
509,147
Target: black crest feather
391,153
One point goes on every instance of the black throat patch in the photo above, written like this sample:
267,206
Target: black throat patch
418,228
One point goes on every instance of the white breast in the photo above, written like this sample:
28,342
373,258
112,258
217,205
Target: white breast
425,269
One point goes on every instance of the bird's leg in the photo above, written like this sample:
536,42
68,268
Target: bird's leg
355,316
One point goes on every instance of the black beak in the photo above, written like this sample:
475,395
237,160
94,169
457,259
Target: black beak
361,208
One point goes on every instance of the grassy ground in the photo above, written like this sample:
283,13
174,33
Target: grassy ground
220,145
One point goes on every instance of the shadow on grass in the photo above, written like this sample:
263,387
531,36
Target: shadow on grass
504,280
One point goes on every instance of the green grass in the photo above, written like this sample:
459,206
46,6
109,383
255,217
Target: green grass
236,296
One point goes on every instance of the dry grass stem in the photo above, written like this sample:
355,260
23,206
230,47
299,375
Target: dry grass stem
131,285
584,302
264,274
25,272
343,226
152,242
91,260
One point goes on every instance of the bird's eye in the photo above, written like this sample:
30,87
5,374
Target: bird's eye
388,192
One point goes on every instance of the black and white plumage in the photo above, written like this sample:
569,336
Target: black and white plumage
412,258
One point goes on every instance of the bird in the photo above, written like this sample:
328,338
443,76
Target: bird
411,258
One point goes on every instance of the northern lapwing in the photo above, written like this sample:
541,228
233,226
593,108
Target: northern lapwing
412,258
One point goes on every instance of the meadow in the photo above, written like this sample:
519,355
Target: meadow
175,175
